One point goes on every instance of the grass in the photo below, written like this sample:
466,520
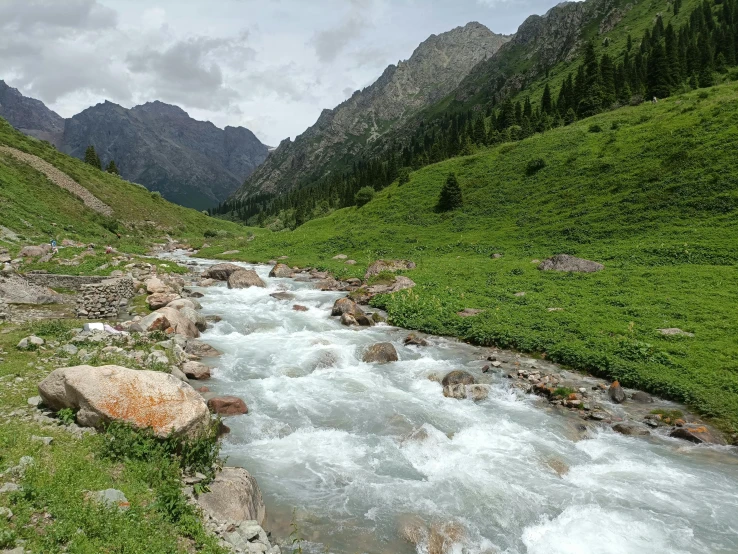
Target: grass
654,197
37,210
52,513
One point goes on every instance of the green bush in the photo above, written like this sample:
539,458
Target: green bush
594,128
364,196
534,166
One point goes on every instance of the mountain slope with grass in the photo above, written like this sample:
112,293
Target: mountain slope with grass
34,209
649,191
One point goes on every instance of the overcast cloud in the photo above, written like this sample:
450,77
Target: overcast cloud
269,65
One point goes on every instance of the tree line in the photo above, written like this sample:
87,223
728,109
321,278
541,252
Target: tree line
665,61
91,158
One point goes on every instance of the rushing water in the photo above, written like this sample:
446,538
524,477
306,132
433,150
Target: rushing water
330,436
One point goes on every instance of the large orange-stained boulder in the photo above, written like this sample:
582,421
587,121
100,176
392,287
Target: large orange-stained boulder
145,399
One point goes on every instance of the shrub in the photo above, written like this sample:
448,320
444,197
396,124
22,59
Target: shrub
364,196
209,234
403,175
156,195
450,197
594,128
534,166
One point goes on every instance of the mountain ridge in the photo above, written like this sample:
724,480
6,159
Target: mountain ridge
435,67
193,163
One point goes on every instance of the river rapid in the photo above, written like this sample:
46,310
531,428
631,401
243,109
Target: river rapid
355,452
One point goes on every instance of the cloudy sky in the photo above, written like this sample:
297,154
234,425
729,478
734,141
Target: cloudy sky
270,65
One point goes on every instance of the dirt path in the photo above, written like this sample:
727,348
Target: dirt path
60,179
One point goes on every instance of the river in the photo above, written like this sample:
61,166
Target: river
360,450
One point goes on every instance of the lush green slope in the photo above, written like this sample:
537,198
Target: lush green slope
653,196
35,208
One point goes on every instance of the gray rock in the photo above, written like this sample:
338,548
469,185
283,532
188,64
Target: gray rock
34,401
111,498
234,496
281,270
30,342
616,393
44,440
5,513
565,262
630,429
245,278
641,397
9,487
456,390
221,272
458,377
69,349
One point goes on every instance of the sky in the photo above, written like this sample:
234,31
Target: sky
269,65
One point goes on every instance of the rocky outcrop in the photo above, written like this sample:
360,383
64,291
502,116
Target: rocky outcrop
245,278
30,116
16,290
565,262
433,71
145,399
380,353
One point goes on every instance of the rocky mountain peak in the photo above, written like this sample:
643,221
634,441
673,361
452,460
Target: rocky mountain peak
29,115
433,70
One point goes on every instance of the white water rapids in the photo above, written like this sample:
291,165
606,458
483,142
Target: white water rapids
327,435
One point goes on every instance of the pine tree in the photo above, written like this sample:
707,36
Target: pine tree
607,76
112,168
450,197
480,132
546,104
92,158
658,73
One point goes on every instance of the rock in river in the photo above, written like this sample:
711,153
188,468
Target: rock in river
227,405
221,272
281,270
380,353
616,393
458,376
244,278
233,496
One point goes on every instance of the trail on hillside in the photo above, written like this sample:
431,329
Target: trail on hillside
60,179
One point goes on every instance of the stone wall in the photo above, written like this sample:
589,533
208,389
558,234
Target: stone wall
54,281
104,299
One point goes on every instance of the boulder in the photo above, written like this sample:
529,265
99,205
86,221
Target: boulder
675,331
631,429
340,257
144,399
565,262
180,303
160,299
380,353
458,376
165,319
155,285
201,349
348,320
696,433
227,405
244,278
641,397
299,308
343,306
282,295
281,270
414,340
32,252
616,393
233,496
221,272
30,343
196,371
388,265
195,317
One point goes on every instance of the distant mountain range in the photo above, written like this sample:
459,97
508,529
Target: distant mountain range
192,163
434,70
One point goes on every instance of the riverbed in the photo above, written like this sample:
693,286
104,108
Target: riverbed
359,455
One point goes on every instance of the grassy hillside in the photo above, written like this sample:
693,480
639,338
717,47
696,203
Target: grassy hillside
650,191
36,209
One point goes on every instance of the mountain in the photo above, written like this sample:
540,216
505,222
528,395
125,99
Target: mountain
433,71
192,163
30,116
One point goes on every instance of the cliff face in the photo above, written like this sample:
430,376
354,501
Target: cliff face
193,163
30,116
433,71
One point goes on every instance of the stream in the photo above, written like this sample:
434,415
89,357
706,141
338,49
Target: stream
352,452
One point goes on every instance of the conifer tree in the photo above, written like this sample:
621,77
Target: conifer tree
112,168
450,197
92,158
546,106
658,73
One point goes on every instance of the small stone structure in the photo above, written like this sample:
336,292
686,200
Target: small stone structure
104,299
